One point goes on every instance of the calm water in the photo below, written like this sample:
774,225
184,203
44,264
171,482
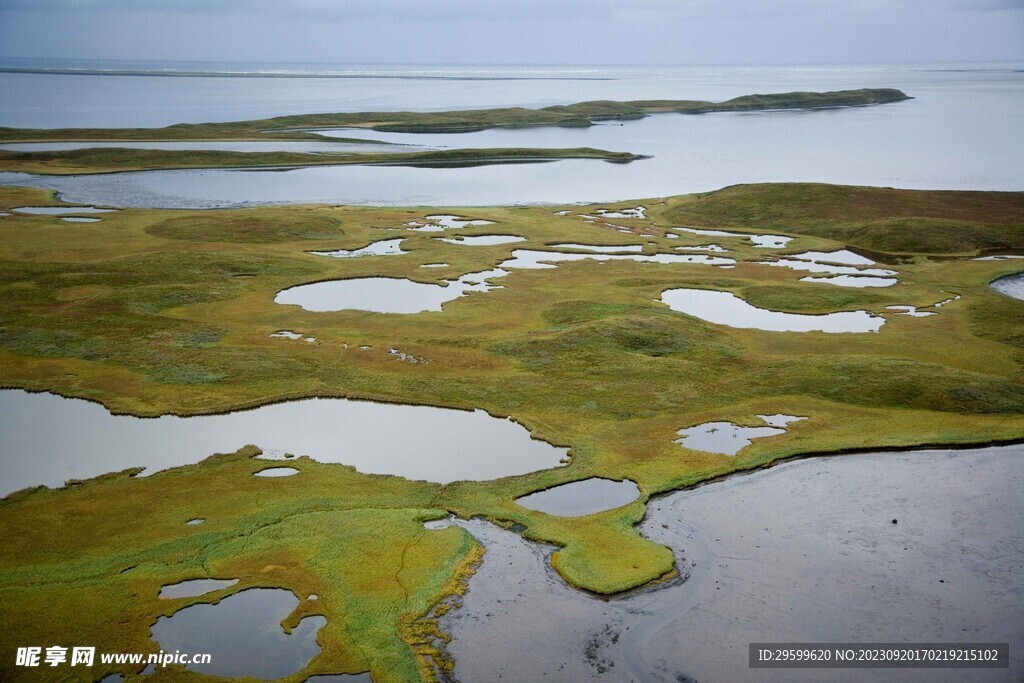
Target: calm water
802,552
243,635
47,439
584,497
960,132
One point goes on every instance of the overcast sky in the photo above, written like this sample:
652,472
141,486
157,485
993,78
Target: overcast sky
517,31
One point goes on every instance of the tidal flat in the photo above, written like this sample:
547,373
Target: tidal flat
159,312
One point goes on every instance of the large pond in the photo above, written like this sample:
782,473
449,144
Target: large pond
959,132
725,308
47,439
380,294
806,551
243,635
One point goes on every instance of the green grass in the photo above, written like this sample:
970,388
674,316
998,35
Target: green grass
878,219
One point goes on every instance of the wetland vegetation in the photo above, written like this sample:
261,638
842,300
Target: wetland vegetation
161,311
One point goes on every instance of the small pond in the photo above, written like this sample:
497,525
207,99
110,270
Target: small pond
194,587
727,438
79,219
484,240
580,498
381,248
59,210
382,294
529,258
607,249
911,311
243,635
725,308
274,472
852,280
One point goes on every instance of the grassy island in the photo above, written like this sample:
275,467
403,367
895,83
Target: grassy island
298,127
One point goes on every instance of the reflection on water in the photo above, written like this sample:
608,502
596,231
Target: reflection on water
1011,285
728,438
58,210
805,551
484,240
584,497
46,439
243,635
194,587
274,472
380,248
725,308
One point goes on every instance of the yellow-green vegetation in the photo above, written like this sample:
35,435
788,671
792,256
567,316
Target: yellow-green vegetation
160,311
580,114
116,159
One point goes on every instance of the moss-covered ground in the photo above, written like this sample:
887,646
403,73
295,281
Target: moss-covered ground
159,311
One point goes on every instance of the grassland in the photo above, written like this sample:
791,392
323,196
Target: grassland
158,311
298,127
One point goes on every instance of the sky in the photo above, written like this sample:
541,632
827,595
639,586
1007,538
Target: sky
570,32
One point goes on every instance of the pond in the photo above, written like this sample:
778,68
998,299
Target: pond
79,219
194,587
580,498
484,240
243,635
727,438
274,472
381,294
380,248
1011,285
47,439
725,308
531,258
606,249
58,210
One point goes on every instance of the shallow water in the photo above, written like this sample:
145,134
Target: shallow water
584,497
58,210
242,633
911,311
380,248
484,240
606,249
1011,285
725,308
727,438
758,240
530,258
194,587
452,222
852,281
378,294
805,551
276,472
47,439
78,219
